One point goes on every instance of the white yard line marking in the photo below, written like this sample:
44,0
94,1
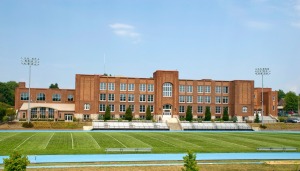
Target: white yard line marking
163,141
72,141
139,140
94,140
9,136
116,140
49,140
24,141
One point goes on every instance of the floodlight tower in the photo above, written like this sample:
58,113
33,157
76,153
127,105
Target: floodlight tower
30,62
262,72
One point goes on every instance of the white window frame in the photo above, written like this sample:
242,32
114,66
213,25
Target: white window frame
189,89
24,96
142,87
150,98
111,86
218,90
225,99
200,89
225,90
245,109
131,87
142,97
167,89
86,106
102,97
181,109
199,99
111,97
122,97
218,110
142,108
207,99
181,88
150,87
181,99
112,107
207,89
189,99
200,109
218,100
102,86
102,107
122,108
123,86
130,97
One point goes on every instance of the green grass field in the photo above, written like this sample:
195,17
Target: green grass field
160,142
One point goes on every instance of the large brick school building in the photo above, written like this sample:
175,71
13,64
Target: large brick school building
165,94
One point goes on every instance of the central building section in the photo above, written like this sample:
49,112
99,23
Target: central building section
166,94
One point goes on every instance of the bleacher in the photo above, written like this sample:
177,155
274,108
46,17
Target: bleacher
215,126
115,125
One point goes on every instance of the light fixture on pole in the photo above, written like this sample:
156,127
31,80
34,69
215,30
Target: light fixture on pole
30,62
262,72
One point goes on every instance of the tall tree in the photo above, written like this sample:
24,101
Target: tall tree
256,120
291,101
7,92
128,114
281,94
148,113
16,161
107,113
225,114
207,114
54,86
189,114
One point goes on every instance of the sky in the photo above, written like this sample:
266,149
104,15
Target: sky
202,39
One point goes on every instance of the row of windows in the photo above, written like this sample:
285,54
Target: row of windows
42,113
124,86
122,108
200,109
42,97
129,97
204,99
201,89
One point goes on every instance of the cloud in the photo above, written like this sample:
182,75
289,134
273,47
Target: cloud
126,30
258,25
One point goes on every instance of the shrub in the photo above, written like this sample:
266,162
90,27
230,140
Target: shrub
263,126
190,163
189,114
16,162
5,119
27,125
256,120
234,119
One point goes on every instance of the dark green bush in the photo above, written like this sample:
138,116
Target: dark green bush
263,126
27,125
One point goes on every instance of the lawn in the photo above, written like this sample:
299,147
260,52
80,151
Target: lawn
160,142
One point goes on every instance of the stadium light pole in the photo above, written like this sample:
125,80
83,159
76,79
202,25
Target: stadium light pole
30,62
262,72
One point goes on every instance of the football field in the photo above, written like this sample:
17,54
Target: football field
160,142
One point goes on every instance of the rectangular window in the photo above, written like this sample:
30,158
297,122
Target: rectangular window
181,89
24,96
151,108
207,89
123,87
218,99
200,89
181,99
150,98
189,99
102,97
41,97
102,86
181,109
70,97
111,97
199,99
142,98
207,99
142,87
86,106
122,97
43,112
86,117
225,100
112,107
150,87
102,107
132,108
225,89
131,97
200,109
273,98
218,89
111,86
50,113
189,89
33,112
273,107
142,109
130,87
218,109
56,97
122,108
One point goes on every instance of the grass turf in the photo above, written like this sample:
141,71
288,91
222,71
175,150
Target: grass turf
160,142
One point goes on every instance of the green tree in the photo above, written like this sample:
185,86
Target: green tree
148,113
256,120
128,114
107,113
291,101
225,114
7,92
207,114
16,162
2,113
190,163
189,114
11,113
54,86
281,94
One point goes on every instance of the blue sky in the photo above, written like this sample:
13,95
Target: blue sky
202,39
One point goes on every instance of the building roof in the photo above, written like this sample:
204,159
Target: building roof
56,106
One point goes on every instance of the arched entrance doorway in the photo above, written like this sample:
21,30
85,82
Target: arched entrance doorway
167,112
